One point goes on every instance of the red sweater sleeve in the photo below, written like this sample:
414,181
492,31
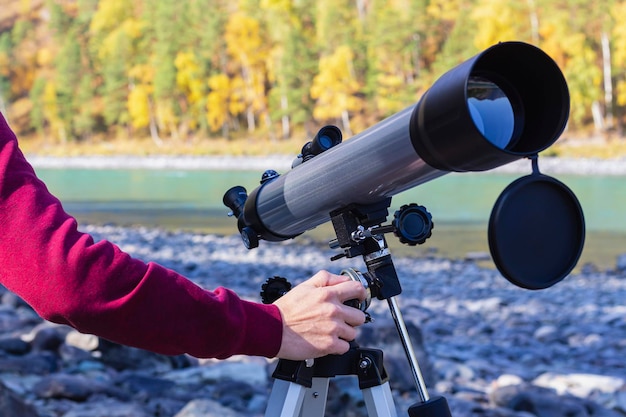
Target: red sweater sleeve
96,288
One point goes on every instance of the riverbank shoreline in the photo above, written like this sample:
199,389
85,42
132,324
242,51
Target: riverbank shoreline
490,348
282,163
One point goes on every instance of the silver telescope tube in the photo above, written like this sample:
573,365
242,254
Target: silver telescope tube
508,102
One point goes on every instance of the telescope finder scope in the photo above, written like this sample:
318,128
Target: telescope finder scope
326,138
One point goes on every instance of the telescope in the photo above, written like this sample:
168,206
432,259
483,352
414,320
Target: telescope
509,102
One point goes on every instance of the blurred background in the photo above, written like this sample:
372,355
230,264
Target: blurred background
175,70
260,77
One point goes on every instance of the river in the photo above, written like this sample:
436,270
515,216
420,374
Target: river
459,203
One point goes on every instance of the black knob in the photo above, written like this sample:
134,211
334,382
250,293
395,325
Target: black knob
274,288
268,175
250,237
413,224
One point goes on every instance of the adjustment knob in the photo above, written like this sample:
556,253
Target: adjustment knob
274,288
413,224
249,237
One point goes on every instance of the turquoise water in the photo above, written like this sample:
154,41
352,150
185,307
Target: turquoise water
459,203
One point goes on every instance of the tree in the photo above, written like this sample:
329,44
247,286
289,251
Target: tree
451,31
335,88
218,109
394,54
619,52
114,32
290,78
5,72
245,47
575,54
500,20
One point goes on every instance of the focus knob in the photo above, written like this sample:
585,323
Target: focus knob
249,237
274,288
413,224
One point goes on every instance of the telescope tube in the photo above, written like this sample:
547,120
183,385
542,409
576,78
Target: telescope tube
509,102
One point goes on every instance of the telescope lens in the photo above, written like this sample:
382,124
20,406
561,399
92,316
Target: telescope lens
491,111
325,142
326,138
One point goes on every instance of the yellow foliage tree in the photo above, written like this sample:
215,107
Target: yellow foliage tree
619,50
51,112
139,106
190,80
578,61
218,101
237,99
335,86
4,64
244,44
109,14
140,98
188,76
497,21
445,9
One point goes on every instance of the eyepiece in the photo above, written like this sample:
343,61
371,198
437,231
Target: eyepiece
326,138
235,199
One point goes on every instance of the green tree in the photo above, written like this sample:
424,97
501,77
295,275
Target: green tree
5,71
290,78
394,54
452,31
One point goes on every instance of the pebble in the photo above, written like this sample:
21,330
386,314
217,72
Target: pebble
490,348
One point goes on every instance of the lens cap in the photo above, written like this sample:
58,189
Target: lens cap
536,231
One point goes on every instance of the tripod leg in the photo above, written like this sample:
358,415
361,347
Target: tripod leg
315,398
379,401
285,399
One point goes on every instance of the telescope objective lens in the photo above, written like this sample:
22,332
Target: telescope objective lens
491,111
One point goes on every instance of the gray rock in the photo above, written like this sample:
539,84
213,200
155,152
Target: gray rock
492,349
207,408
73,387
12,405
620,264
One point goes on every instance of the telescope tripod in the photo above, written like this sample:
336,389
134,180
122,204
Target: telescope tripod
301,388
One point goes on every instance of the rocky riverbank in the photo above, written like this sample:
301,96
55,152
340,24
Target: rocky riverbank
490,348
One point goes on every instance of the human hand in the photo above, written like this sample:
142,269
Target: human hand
315,320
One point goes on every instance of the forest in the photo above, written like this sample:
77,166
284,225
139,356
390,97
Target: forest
74,70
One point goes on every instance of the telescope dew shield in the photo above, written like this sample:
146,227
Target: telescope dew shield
508,102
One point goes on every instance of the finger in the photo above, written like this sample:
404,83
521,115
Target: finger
353,316
340,347
325,278
347,333
349,290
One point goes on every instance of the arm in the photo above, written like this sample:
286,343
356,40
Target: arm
96,288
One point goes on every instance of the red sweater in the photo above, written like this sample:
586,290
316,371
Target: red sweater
96,288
